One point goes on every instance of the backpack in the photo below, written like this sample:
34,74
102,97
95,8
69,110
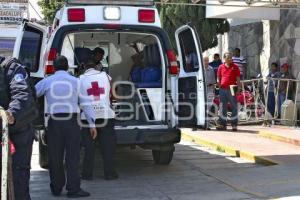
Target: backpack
136,74
151,74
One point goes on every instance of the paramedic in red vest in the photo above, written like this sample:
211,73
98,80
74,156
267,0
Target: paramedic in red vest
228,74
95,85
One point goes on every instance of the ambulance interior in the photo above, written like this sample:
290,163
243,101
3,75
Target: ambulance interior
136,64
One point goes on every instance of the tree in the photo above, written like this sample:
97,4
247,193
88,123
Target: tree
173,16
49,8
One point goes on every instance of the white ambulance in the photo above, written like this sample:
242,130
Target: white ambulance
157,92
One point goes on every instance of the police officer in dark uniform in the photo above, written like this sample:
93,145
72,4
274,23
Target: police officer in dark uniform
16,97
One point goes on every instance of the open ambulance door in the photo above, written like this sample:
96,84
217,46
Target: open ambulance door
191,89
30,46
29,49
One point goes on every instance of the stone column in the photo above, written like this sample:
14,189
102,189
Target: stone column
266,49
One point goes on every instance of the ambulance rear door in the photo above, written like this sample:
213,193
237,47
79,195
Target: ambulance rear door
191,89
30,47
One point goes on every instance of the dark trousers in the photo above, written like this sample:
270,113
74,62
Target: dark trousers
23,141
63,138
226,97
281,99
271,103
107,139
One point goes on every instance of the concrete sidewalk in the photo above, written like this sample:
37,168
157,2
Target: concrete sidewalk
264,145
277,147
281,133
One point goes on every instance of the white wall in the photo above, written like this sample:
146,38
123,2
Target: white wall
32,7
220,49
240,10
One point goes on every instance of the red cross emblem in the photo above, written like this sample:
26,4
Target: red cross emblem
96,91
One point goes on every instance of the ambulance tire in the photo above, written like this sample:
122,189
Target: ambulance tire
162,157
43,153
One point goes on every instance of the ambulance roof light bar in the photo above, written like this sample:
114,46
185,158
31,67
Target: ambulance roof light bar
111,2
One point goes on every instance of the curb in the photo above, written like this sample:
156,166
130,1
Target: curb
218,147
272,136
227,149
257,159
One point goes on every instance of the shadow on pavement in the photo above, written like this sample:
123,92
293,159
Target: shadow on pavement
185,178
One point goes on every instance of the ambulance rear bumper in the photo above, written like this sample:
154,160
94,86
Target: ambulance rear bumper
148,136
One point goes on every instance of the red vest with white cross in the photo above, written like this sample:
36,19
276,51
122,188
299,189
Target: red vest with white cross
95,86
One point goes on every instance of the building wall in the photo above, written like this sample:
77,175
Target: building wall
249,38
265,42
285,40
285,43
35,10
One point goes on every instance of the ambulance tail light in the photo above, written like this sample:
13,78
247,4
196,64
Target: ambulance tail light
173,65
76,15
146,16
49,69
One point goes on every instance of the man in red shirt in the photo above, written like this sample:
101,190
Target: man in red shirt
228,74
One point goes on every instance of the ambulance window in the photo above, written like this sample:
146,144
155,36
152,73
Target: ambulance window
188,47
30,49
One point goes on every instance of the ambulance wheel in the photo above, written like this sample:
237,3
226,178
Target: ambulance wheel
162,157
43,152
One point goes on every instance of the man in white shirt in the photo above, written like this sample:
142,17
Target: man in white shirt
61,91
95,86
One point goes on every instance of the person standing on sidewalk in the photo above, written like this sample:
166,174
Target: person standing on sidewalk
241,62
95,86
284,88
216,63
63,97
274,74
210,83
228,75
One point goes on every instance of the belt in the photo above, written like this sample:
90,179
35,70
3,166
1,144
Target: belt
64,115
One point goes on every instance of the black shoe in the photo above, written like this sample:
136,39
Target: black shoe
111,176
79,194
55,192
234,129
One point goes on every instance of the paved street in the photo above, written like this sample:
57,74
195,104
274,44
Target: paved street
189,177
